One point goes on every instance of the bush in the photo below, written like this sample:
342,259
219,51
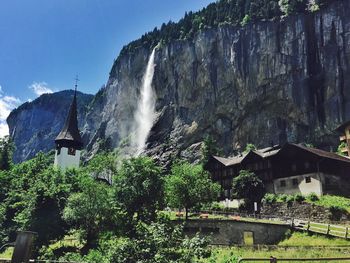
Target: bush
283,198
312,197
245,20
290,199
299,198
336,212
269,198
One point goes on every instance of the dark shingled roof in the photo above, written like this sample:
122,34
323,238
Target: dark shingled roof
267,152
342,127
69,135
322,153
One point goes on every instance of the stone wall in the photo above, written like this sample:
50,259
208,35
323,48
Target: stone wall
303,210
228,232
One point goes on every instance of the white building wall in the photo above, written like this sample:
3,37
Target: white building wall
64,160
302,187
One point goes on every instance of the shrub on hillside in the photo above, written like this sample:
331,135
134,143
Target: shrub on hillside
299,198
269,198
312,197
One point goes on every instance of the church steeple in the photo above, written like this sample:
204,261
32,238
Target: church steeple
68,141
70,135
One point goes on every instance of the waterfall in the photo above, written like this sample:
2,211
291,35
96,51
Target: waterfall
145,113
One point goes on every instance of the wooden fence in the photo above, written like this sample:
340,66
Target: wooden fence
320,228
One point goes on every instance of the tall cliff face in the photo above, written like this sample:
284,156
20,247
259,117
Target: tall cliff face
263,83
34,125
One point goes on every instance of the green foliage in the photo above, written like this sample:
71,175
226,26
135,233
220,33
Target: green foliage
269,198
332,200
113,221
312,197
92,210
245,20
6,151
248,186
313,7
28,190
220,13
289,7
139,187
299,198
341,147
157,242
249,147
209,148
189,186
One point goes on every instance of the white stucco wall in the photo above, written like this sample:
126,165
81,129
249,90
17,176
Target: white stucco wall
315,186
64,160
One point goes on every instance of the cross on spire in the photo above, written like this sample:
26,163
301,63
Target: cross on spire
76,82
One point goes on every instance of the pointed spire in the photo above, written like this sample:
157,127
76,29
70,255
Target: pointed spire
69,135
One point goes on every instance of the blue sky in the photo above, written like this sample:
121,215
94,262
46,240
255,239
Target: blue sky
45,43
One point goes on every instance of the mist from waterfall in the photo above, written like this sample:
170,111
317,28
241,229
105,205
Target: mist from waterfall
145,113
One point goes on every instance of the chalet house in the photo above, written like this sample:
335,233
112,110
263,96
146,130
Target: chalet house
290,169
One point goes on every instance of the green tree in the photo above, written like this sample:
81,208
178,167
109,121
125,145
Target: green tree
157,243
139,187
249,147
189,186
93,210
249,187
6,151
245,20
209,148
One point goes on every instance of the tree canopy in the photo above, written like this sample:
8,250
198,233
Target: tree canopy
249,187
189,186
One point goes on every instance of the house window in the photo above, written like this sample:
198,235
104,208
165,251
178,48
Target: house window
283,183
307,179
71,151
59,151
295,181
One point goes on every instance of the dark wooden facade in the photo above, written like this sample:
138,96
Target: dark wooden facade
280,162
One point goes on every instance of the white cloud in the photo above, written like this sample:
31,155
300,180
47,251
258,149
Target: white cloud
40,88
4,129
7,104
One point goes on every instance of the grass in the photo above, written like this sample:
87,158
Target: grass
331,201
304,239
7,253
231,255
325,200
295,246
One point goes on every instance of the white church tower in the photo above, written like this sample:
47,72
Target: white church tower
69,142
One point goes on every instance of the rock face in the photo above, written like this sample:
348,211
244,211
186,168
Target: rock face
35,125
264,83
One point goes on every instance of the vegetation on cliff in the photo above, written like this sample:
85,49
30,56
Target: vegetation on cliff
223,12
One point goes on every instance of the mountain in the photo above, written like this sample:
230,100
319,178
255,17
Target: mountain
34,125
272,80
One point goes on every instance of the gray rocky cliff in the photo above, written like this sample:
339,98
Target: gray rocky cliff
264,83
34,125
